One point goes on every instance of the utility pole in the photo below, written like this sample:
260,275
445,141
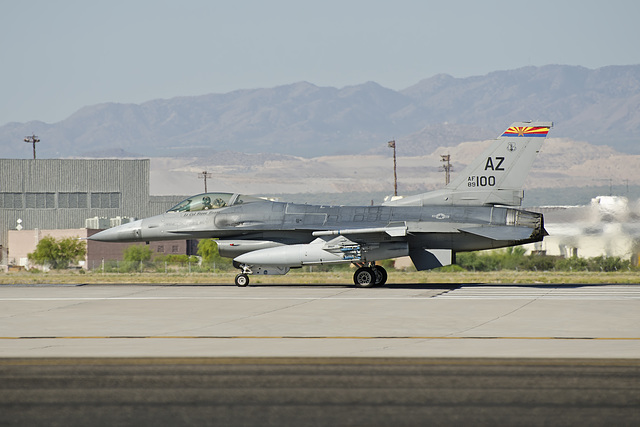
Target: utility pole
447,167
32,140
205,175
392,144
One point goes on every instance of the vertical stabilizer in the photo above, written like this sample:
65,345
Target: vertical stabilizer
495,177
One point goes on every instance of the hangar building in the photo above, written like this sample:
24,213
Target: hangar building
64,193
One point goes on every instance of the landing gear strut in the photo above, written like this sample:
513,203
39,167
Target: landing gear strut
369,276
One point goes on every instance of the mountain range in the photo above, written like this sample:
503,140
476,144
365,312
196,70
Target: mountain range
600,106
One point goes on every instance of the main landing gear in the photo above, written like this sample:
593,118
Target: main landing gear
366,276
369,276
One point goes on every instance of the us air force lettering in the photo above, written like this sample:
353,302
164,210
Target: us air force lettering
475,211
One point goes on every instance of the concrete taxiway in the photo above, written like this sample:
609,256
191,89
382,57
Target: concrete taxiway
548,321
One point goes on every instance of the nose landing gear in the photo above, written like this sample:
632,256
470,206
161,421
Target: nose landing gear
242,280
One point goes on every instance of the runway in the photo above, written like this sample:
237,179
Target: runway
478,321
319,354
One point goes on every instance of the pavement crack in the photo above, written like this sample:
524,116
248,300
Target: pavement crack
252,316
501,316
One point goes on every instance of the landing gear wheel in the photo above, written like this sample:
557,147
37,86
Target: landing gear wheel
364,277
381,275
242,280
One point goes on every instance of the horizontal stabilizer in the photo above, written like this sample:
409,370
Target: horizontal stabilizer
500,232
427,259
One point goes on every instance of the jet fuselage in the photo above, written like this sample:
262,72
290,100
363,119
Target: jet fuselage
459,228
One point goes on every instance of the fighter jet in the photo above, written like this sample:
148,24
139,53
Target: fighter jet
473,212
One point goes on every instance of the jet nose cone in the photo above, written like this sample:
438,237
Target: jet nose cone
123,233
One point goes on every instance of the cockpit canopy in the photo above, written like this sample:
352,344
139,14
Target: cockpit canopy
207,201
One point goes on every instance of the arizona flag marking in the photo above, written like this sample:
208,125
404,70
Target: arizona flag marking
526,131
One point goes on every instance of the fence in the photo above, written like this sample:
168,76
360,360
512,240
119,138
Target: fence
167,267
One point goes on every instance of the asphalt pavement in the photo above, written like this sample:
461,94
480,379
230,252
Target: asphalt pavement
319,391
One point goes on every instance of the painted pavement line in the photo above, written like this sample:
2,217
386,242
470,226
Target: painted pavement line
325,337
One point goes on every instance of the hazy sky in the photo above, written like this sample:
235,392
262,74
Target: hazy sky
58,56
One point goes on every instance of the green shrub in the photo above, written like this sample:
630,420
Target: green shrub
453,268
539,263
477,261
211,259
608,264
137,253
58,253
572,264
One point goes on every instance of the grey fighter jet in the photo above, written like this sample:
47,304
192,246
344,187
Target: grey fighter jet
269,237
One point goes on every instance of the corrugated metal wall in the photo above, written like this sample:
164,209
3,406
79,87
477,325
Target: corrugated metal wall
161,204
130,178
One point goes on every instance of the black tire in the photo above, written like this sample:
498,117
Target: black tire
364,277
381,275
242,280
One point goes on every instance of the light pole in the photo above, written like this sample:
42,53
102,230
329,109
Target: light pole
205,175
392,144
446,158
32,140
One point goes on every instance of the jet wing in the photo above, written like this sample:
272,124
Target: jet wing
494,232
